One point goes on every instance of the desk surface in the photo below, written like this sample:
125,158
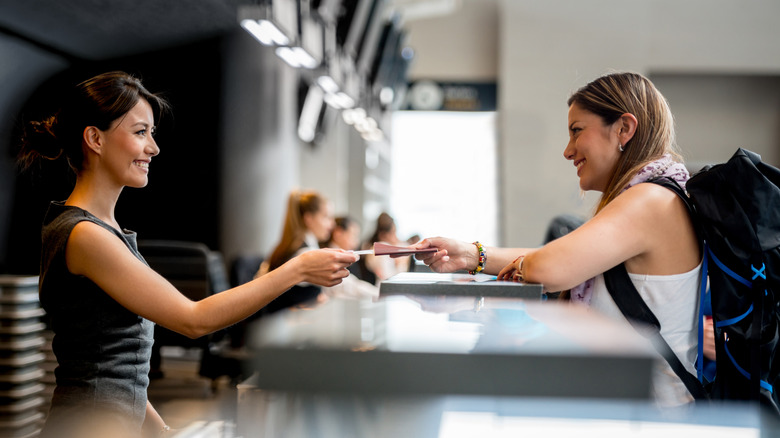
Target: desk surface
450,345
430,283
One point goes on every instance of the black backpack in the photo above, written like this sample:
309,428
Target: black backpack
735,207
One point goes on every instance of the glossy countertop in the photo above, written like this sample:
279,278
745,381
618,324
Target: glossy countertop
450,345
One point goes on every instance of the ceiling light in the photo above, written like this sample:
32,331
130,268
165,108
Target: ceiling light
288,56
305,60
265,32
349,116
332,101
386,95
328,84
344,100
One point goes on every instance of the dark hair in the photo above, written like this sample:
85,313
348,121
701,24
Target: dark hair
384,224
613,95
342,223
97,102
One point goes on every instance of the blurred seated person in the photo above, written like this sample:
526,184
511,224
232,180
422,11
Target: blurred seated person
308,222
346,235
375,269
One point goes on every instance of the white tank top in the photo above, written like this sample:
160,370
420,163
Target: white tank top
674,299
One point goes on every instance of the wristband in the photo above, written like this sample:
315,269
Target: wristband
520,267
482,259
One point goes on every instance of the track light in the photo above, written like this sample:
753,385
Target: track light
296,57
261,23
265,32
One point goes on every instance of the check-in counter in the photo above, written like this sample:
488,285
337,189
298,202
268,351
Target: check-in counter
427,365
389,363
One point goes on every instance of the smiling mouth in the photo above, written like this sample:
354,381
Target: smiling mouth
142,164
578,165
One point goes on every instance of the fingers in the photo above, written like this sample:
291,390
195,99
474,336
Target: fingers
431,258
336,277
342,256
504,271
709,339
425,243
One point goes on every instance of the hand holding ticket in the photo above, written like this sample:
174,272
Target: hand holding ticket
393,251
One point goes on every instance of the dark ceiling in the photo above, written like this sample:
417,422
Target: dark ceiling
102,29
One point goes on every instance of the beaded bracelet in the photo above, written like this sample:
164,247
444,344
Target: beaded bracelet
482,259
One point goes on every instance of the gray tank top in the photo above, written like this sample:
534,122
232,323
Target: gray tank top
102,349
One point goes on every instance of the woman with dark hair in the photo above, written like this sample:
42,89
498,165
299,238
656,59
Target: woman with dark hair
346,235
101,297
381,268
621,134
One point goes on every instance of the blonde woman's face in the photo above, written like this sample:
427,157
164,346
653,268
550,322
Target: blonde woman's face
593,148
320,223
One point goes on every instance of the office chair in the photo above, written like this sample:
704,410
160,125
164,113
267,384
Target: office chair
197,272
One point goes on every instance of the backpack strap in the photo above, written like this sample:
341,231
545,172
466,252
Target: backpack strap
703,290
636,311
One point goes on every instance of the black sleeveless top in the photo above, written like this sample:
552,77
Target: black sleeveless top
102,349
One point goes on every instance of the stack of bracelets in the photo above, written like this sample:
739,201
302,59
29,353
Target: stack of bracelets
482,259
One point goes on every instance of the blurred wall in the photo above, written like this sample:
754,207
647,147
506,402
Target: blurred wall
259,149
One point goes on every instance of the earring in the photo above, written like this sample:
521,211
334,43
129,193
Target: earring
620,147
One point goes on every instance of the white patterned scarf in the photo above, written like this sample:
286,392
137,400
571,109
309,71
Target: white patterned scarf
662,167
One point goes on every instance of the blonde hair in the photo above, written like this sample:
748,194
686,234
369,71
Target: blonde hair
613,95
298,204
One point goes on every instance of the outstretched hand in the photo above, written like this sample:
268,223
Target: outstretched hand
326,267
452,255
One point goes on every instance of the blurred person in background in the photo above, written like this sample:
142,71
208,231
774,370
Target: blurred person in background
346,235
376,269
307,224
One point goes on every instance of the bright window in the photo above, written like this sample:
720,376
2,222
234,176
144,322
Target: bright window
443,176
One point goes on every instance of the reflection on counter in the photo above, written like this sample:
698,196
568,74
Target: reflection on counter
402,344
445,324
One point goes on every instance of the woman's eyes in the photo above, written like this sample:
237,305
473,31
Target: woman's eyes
145,131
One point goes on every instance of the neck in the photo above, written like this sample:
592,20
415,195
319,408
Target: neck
97,198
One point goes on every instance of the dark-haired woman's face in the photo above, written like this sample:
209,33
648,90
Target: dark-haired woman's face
129,146
593,147
348,238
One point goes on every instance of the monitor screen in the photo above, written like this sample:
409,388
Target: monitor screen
387,52
351,25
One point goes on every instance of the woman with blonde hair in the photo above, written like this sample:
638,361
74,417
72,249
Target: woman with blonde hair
621,135
307,223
